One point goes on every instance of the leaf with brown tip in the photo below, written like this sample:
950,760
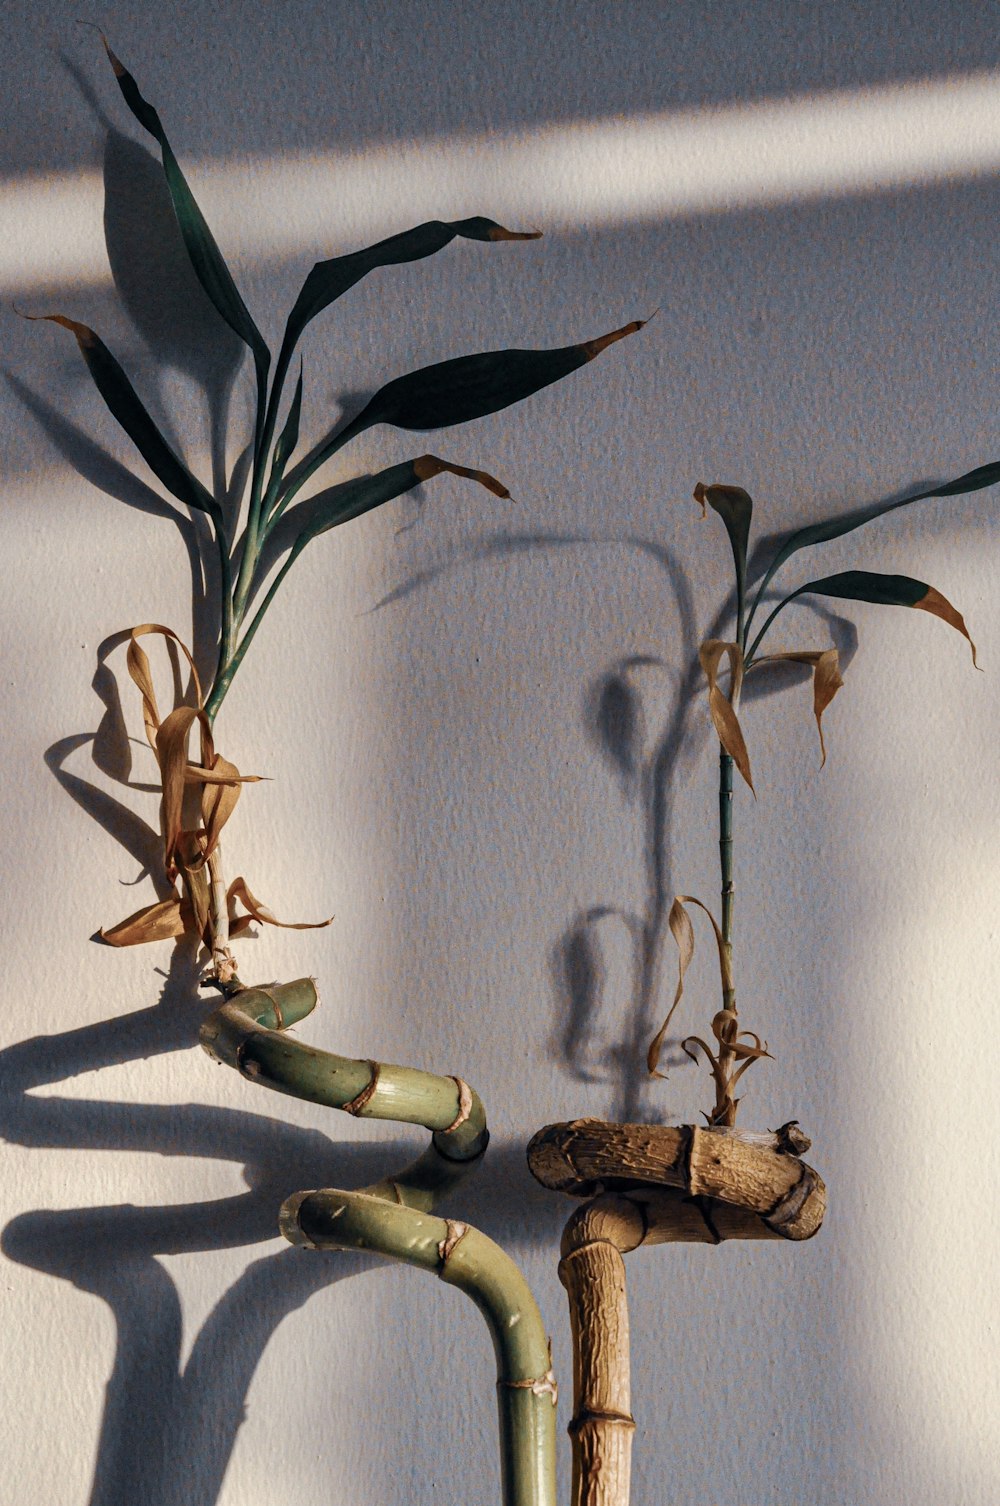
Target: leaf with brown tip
458,391
330,280
887,590
125,405
369,492
207,260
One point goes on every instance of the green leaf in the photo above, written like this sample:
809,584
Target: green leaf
457,391
885,590
329,280
834,528
735,508
469,387
125,405
369,492
289,436
206,258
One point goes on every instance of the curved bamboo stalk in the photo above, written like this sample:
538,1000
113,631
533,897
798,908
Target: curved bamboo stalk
760,1174
465,1258
652,1184
393,1217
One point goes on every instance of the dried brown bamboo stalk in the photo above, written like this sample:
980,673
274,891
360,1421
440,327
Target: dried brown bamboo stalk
652,1184
761,1174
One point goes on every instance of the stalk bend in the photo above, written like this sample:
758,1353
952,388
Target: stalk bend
394,1217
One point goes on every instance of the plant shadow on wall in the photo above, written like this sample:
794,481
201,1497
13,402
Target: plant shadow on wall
651,726
187,1422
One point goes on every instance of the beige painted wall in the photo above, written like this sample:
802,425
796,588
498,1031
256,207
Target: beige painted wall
427,697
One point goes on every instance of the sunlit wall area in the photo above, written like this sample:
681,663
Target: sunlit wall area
461,707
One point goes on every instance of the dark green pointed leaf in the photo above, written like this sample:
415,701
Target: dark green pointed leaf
457,391
369,492
887,590
834,528
329,280
206,258
735,508
469,387
125,405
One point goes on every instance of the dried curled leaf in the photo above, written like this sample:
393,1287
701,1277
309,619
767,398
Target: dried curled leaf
220,782
169,741
682,931
827,680
238,891
160,922
724,717
733,1046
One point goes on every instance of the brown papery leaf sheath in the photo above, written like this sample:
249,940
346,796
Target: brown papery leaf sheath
682,931
827,680
187,850
726,722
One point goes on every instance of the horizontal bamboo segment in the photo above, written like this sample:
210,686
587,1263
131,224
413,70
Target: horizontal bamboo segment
246,1033
465,1258
759,1175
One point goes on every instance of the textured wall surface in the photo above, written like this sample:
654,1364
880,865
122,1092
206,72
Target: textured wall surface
459,739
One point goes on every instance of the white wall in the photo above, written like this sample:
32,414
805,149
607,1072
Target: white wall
426,695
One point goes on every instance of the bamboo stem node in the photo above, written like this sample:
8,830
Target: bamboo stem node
545,1385
587,1418
456,1231
464,1105
356,1104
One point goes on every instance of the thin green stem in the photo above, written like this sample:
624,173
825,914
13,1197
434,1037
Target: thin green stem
228,627
755,645
308,467
226,674
264,426
726,844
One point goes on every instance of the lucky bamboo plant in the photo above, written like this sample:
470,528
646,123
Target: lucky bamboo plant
657,1183
392,1217
438,396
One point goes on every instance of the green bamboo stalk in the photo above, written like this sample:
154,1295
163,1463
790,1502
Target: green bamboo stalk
726,861
245,1033
394,1217
465,1258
